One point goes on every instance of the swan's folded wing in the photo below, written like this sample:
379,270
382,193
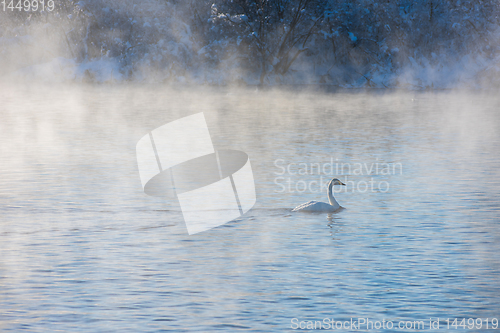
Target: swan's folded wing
315,207
304,206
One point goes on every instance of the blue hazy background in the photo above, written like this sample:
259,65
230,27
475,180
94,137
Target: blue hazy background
371,44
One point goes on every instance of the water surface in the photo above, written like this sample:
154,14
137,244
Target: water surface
82,248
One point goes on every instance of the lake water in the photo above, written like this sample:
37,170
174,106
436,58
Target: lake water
83,249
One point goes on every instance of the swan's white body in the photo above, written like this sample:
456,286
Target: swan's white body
321,207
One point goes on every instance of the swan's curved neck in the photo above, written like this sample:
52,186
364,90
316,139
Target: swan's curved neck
331,199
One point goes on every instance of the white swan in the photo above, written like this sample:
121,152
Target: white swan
321,207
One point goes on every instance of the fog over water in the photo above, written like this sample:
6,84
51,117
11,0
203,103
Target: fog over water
341,43
83,248
396,99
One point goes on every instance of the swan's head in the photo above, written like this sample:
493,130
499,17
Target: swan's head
335,181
